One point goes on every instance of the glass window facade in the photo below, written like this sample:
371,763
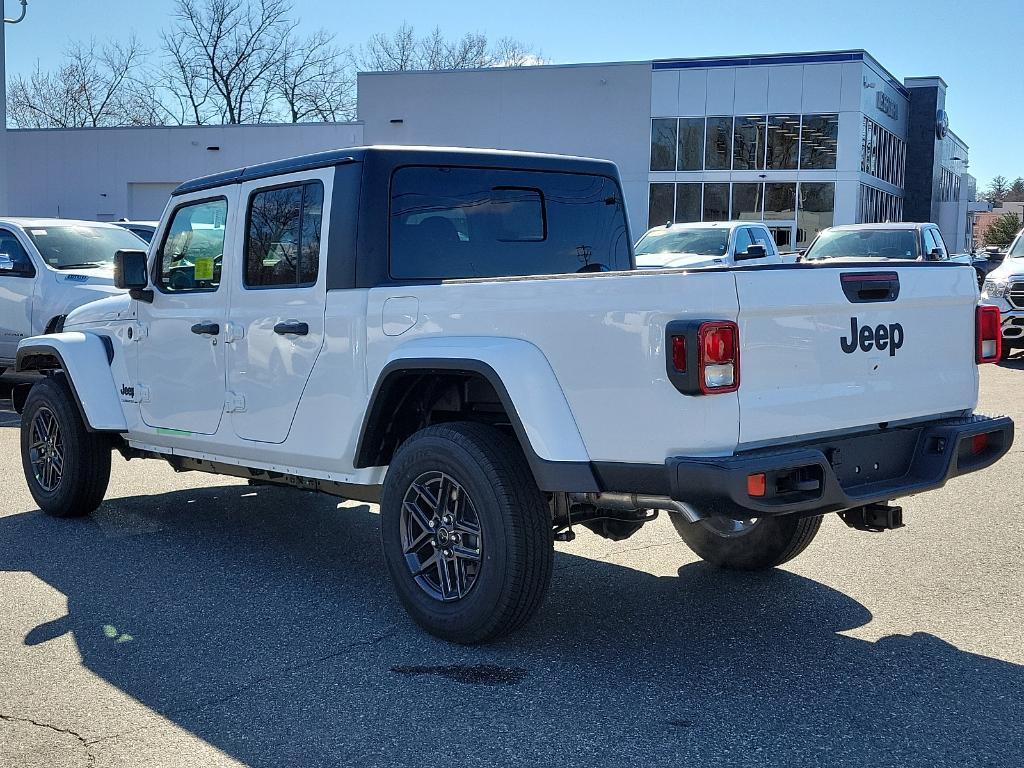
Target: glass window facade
747,201
819,139
752,201
691,144
783,142
688,202
718,145
875,206
748,143
659,206
663,144
817,210
883,154
716,202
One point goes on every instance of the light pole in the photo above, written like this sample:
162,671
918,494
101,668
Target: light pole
3,106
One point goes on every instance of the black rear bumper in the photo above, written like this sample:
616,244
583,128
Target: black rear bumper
841,473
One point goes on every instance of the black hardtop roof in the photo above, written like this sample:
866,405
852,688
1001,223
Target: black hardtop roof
395,156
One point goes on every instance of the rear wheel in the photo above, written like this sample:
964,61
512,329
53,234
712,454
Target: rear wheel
748,545
466,532
67,468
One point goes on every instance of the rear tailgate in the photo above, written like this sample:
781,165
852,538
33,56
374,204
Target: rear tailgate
803,374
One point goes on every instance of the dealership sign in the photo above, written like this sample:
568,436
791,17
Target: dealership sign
887,105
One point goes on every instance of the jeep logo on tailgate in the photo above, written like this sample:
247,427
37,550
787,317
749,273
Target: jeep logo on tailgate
880,337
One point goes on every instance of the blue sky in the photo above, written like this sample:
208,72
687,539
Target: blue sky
976,48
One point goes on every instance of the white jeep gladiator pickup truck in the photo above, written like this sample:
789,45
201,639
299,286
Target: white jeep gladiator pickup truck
461,335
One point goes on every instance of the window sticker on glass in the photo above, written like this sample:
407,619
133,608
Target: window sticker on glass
38,231
204,269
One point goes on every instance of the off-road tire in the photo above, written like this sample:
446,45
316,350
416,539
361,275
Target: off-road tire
514,519
86,455
769,542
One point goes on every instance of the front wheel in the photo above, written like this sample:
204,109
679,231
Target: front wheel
748,545
66,466
466,532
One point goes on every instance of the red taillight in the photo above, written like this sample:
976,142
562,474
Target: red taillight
719,357
757,485
679,353
989,346
979,443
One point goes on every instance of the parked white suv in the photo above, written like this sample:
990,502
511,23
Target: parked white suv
1004,288
461,336
710,244
47,268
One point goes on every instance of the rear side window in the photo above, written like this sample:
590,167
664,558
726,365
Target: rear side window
192,254
282,243
475,222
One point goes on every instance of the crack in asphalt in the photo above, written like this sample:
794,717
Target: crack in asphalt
243,689
614,553
86,743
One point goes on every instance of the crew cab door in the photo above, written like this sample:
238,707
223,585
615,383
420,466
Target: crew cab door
278,300
181,354
17,286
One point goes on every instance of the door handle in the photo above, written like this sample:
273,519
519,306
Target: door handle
292,328
206,329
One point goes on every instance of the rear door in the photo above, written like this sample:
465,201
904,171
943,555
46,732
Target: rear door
278,301
820,354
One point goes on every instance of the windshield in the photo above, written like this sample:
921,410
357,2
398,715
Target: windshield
703,242
1017,247
80,246
884,243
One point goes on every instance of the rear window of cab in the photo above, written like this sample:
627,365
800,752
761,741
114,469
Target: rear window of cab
451,222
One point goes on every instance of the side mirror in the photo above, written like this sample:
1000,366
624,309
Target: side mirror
6,263
130,269
936,254
756,251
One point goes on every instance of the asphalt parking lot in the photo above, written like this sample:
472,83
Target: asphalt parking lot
195,620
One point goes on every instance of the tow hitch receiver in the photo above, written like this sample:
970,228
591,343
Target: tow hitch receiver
874,517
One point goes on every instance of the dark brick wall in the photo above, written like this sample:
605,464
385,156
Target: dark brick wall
920,189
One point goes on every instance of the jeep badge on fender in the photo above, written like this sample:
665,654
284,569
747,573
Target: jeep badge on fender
880,337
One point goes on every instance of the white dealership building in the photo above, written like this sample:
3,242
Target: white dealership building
800,141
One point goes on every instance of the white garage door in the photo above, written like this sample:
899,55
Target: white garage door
146,200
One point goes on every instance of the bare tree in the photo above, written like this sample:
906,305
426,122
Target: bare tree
314,81
94,86
238,43
403,50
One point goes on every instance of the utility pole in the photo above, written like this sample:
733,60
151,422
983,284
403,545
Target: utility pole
3,107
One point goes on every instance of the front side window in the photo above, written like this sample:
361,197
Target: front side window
191,257
81,246
742,240
12,249
448,223
282,244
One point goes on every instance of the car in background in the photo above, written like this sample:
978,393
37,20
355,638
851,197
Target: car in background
707,244
144,229
1004,288
49,267
904,241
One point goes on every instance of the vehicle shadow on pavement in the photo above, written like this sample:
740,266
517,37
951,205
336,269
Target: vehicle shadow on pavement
262,621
